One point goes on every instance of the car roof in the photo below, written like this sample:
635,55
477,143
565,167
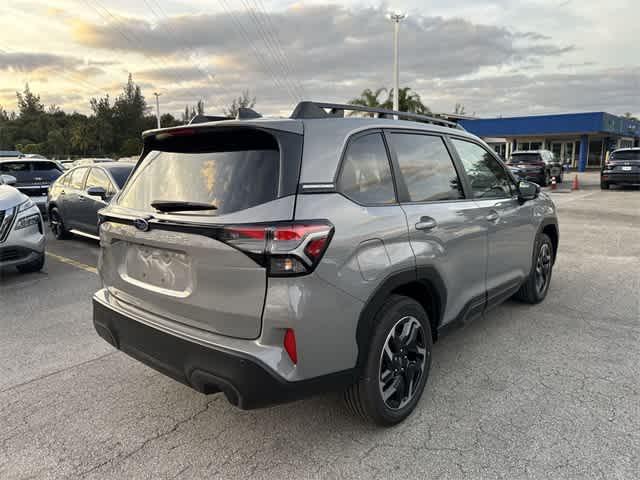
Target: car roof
25,160
324,138
628,149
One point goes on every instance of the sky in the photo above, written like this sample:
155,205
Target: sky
496,57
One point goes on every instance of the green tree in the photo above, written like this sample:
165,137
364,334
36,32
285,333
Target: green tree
408,101
243,101
80,137
369,98
57,142
29,103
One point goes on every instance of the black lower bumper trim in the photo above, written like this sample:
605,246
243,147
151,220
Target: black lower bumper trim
622,178
245,382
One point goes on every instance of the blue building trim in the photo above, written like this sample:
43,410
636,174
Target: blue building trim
563,124
584,152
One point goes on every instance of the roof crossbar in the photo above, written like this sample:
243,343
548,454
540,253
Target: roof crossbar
308,110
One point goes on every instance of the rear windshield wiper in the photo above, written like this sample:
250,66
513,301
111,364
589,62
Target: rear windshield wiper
177,206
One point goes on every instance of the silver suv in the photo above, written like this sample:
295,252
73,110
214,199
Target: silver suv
272,259
22,240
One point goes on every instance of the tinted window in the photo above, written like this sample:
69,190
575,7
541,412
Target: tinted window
426,167
230,180
77,177
526,158
487,176
366,174
8,167
121,174
97,178
628,155
45,167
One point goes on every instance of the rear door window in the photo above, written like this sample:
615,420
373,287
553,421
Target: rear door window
77,178
366,174
426,167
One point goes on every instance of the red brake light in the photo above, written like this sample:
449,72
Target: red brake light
284,248
290,345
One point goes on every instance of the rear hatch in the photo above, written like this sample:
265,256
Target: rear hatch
196,267
625,161
33,176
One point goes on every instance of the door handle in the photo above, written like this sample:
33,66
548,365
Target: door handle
426,223
492,216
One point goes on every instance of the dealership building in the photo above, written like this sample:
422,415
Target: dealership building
580,139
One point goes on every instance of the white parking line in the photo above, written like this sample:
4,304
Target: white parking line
74,263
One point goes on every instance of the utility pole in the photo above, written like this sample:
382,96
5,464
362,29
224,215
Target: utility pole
396,18
158,107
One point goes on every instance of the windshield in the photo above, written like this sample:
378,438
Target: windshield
627,155
525,158
230,180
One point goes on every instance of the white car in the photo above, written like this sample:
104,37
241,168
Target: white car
22,239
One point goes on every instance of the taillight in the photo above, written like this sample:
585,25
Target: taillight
285,249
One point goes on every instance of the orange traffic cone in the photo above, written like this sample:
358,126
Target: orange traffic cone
553,183
576,185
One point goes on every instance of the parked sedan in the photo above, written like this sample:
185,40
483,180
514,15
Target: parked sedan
622,168
76,197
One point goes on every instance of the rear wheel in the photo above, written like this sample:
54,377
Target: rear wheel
604,185
33,266
535,288
397,364
57,225
546,180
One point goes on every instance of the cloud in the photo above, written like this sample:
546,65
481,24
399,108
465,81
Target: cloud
321,40
29,62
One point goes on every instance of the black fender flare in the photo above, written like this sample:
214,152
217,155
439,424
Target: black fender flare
426,274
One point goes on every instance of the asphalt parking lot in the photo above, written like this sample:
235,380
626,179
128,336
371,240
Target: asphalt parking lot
547,391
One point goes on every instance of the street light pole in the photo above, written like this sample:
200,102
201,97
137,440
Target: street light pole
158,107
396,18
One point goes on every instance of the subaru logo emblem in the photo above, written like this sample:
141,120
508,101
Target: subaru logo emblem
141,224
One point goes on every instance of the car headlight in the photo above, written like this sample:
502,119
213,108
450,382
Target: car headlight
27,221
25,205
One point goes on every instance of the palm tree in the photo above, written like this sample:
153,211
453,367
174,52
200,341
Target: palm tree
408,101
368,98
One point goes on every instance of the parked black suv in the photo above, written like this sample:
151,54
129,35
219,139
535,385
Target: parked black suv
536,166
622,168
33,177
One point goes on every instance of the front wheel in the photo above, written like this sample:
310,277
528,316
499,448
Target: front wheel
57,225
397,364
535,288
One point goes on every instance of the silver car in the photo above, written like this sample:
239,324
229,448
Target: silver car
271,259
22,240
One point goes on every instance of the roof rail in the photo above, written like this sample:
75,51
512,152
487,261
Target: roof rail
318,110
207,118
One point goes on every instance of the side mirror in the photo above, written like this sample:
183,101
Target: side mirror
527,190
97,192
8,180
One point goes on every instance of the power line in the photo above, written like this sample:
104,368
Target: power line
275,40
267,68
272,49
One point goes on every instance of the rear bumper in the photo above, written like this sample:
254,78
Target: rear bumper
244,380
621,178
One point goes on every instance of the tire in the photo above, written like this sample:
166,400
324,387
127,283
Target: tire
546,180
57,226
398,316
33,266
604,185
531,290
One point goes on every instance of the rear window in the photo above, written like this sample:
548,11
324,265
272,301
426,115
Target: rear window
120,175
525,158
45,167
628,155
232,171
8,167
